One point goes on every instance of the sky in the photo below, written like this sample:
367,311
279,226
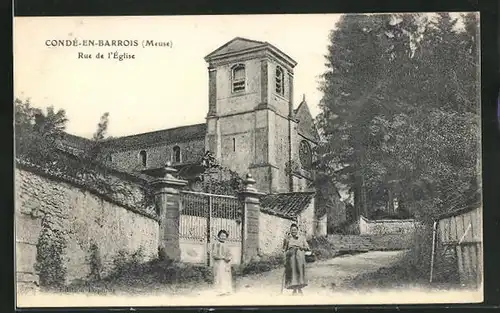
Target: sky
162,87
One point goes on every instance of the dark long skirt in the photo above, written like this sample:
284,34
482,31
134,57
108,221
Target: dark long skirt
295,269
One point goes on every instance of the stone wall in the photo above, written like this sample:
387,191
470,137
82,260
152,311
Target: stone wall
273,230
237,142
27,229
300,183
384,227
357,243
282,153
55,204
307,221
159,155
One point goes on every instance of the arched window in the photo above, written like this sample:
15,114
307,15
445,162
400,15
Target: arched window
280,81
177,154
110,158
144,158
238,77
234,144
305,155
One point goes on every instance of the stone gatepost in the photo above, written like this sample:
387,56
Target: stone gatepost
250,220
167,200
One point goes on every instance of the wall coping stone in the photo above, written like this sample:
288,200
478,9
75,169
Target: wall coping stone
80,183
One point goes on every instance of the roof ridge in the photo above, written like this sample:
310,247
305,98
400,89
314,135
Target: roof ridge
220,48
157,131
303,101
291,193
247,39
76,136
249,45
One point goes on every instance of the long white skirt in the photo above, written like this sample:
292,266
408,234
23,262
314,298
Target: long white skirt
223,281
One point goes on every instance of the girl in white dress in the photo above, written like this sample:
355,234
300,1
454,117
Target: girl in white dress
221,260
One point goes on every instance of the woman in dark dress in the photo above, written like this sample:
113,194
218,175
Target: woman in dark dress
295,246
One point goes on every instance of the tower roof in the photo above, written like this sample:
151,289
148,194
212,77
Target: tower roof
241,45
306,125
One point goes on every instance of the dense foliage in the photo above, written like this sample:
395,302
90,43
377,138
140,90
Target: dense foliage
399,112
36,132
50,253
210,177
38,138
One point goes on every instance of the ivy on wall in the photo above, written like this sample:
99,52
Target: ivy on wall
95,262
51,247
211,177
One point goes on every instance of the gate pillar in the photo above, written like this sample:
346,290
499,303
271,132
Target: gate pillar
250,220
167,201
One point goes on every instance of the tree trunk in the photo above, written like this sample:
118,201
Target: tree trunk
364,206
357,200
390,200
360,207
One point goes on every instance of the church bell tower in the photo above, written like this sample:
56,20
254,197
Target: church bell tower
250,120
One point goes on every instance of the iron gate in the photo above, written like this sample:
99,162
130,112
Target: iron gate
203,215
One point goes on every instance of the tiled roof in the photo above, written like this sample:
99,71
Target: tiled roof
236,44
75,142
171,135
288,204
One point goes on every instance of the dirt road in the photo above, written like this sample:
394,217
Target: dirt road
323,276
325,287
325,280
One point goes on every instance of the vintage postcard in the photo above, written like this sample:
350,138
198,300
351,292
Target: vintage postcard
318,159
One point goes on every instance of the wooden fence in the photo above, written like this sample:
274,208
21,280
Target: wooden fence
461,232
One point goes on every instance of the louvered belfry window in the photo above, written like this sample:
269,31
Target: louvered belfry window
238,78
280,81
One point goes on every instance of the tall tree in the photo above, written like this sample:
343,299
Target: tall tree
438,154
96,152
398,112
365,55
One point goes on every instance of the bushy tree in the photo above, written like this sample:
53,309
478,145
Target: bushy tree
37,133
399,111
366,54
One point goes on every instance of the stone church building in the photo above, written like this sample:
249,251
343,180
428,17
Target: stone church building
253,125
